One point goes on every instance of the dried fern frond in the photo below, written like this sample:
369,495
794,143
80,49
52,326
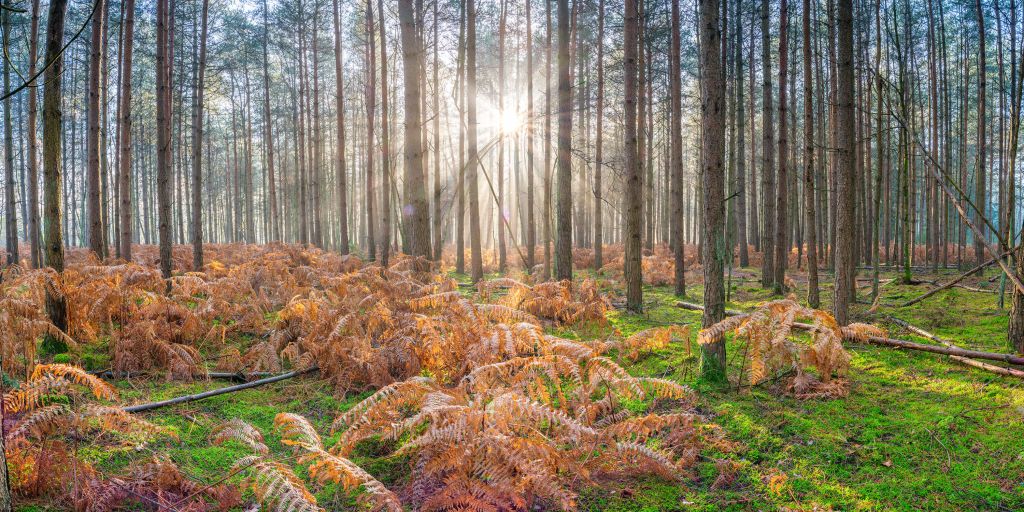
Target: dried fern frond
277,487
861,332
434,300
297,431
505,314
649,460
99,388
715,333
240,431
42,421
326,467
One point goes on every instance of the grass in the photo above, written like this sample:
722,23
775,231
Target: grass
917,432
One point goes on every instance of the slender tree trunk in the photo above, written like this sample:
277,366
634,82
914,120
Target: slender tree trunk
547,147
768,194
813,298
713,184
460,213
32,219
385,141
782,207
845,261
676,153
633,201
197,150
163,137
268,135
124,127
476,252
980,200
95,185
563,216
502,251
531,223
416,210
741,149
371,103
438,225
53,204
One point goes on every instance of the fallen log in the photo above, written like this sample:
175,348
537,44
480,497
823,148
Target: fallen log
950,284
1011,372
220,391
235,376
890,342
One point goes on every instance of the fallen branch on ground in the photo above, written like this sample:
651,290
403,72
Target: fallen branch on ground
1011,372
950,284
235,376
890,342
221,391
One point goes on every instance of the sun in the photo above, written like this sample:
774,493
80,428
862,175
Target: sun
510,121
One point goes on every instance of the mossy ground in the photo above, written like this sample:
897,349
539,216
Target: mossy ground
917,432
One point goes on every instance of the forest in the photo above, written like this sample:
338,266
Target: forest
511,255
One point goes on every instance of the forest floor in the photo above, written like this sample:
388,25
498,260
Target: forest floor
917,431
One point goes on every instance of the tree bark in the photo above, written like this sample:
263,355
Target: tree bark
476,253
563,214
124,127
713,183
845,261
32,220
268,137
94,205
813,298
531,222
371,104
632,204
741,148
416,210
782,206
676,154
163,136
197,151
980,174
768,149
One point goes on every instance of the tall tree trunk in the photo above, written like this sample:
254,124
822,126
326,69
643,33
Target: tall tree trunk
124,126
371,103
768,195
56,305
531,223
980,201
6,501
476,253
813,298
460,213
563,216
197,150
713,184
782,207
500,210
845,261
741,149
632,191
416,210
385,141
438,225
94,203
163,136
32,220
268,134
676,153
547,146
